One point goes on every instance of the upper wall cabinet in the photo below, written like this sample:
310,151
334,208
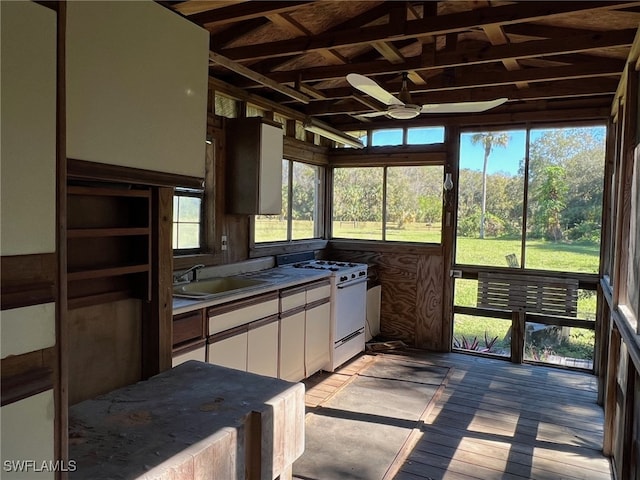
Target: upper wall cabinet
28,84
254,166
136,87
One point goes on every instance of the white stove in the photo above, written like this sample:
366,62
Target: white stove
348,307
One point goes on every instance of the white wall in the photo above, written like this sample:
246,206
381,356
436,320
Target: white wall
136,86
28,129
27,434
28,212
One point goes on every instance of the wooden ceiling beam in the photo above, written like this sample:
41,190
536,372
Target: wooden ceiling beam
244,11
496,36
439,25
191,7
538,30
257,77
534,48
220,39
287,22
474,77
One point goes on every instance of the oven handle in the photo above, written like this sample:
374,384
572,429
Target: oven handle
351,283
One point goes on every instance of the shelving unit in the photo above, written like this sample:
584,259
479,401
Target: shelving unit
108,244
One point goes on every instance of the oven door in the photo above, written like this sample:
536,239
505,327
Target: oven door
350,308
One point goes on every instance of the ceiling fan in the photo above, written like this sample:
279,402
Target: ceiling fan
403,108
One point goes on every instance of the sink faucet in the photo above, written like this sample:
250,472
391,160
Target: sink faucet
183,277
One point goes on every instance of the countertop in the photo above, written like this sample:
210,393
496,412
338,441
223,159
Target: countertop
276,278
194,421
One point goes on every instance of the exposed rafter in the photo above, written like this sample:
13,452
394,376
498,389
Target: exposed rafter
293,56
440,25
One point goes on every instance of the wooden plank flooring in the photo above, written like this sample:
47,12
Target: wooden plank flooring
497,421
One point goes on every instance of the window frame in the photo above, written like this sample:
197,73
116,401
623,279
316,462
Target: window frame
207,207
183,192
383,241
528,127
257,249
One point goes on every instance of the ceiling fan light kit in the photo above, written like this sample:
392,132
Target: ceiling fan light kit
404,112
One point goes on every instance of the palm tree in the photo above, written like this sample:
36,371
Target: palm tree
488,140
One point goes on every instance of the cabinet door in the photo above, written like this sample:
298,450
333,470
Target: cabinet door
292,347
262,354
270,188
317,338
230,352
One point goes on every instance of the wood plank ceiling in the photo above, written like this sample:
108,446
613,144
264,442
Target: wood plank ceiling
541,55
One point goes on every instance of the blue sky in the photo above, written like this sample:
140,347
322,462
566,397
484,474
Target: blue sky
505,160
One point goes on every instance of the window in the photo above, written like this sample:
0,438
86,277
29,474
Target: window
187,219
539,189
300,216
391,136
402,204
425,135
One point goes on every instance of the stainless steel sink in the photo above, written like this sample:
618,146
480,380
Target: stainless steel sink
213,287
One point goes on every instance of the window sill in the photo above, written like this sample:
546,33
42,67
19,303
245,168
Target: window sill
382,246
266,249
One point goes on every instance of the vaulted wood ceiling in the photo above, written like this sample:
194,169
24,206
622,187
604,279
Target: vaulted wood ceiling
541,55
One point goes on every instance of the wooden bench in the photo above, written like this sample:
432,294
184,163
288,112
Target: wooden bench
522,294
528,293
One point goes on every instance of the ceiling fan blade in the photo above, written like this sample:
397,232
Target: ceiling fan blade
462,107
372,114
371,88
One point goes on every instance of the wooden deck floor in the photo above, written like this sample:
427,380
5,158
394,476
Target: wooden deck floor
497,421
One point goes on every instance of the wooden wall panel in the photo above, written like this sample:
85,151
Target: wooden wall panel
429,283
106,337
411,297
27,280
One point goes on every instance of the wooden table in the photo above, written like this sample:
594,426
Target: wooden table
194,421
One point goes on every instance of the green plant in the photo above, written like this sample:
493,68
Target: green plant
465,344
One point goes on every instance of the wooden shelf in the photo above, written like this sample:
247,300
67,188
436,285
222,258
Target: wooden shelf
107,272
107,297
109,243
107,232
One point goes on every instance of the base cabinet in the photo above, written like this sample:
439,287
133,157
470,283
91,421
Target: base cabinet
262,348
304,330
292,343
229,351
317,337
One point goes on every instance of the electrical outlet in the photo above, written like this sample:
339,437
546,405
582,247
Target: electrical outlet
223,242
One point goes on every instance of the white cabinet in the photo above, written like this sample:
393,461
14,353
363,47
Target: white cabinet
318,337
292,332
304,330
262,347
229,351
136,87
254,166
244,335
